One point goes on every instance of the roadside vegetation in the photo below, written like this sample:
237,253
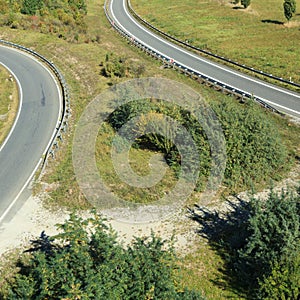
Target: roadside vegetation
258,36
261,146
259,242
62,17
253,253
9,101
255,151
85,261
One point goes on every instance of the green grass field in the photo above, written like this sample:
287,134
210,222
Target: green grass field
203,269
259,36
79,62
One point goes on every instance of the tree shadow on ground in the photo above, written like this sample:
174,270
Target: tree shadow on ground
226,234
273,22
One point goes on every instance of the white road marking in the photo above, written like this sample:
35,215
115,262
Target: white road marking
53,134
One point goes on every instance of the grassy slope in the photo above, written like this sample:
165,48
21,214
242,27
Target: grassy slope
256,37
79,62
203,269
9,101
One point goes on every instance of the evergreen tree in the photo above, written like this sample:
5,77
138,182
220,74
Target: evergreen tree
245,3
269,260
289,7
85,261
274,232
260,243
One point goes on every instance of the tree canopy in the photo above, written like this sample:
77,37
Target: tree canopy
85,261
289,7
245,3
260,241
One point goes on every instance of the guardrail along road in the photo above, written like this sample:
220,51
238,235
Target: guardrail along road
281,99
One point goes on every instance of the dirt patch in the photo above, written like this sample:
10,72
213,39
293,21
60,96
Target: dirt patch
33,218
292,24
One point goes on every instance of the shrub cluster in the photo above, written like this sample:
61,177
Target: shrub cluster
254,148
62,17
259,241
85,261
117,66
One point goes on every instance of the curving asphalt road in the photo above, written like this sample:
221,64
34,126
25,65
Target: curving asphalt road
34,127
40,100
282,99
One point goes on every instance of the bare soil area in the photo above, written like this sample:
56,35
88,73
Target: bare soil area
34,218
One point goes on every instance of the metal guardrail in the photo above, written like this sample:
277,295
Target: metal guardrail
208,53
66,110
195,75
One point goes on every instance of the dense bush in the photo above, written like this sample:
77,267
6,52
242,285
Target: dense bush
273,248
85,261
117,66
255,151
260,241
62,17
149,112
289,8
245,3
114,66
30,7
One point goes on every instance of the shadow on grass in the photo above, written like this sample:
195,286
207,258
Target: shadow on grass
226,234
273,22
238,7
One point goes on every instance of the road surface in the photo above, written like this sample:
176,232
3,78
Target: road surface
281,99
34,127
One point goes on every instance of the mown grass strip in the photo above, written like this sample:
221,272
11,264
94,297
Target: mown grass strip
258,36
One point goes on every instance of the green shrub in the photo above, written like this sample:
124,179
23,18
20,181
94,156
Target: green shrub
271,255
283,282
85,261
255,149
114,66
260,243
30,7
60,17
245,3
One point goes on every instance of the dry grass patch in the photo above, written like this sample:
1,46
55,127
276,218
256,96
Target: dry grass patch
292,24
9,102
